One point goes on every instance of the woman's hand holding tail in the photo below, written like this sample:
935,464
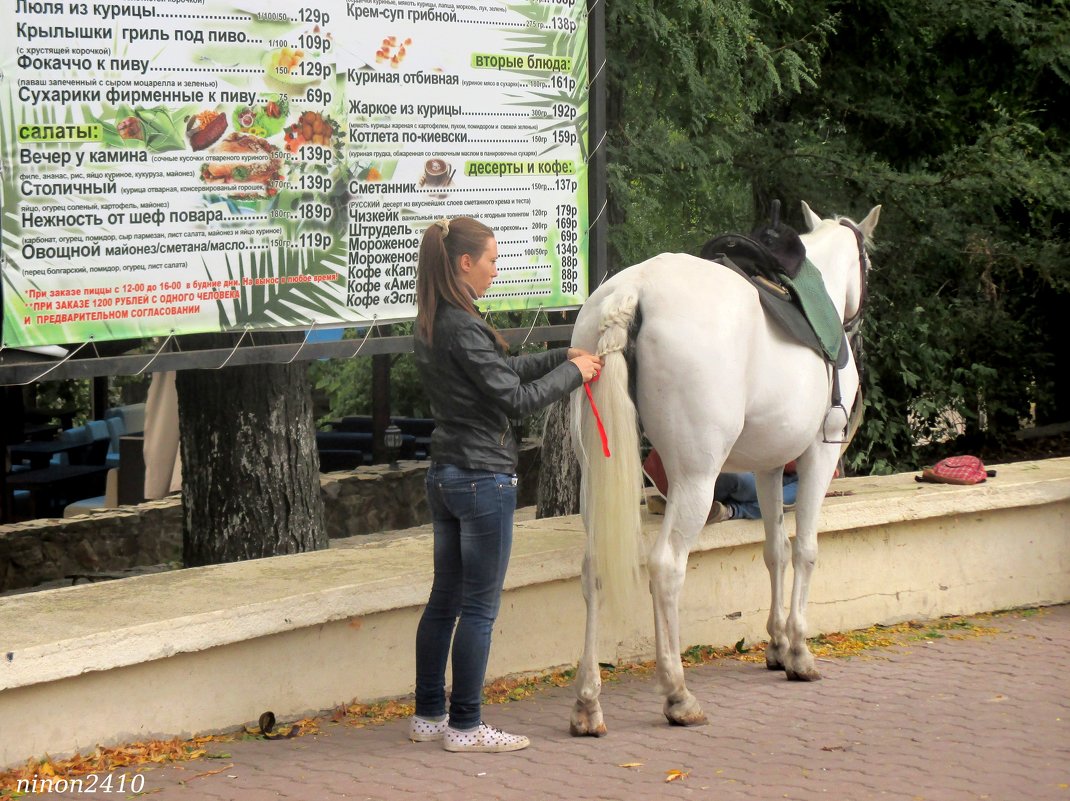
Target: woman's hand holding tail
589,365
574,352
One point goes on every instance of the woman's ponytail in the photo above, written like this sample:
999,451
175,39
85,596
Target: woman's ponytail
437,275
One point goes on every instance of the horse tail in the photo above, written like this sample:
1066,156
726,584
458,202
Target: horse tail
611,488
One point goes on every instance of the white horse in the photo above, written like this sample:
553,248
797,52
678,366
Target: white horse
718,387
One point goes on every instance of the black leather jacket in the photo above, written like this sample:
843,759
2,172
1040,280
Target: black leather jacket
475,389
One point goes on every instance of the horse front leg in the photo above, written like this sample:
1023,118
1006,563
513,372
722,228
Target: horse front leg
667,566
815,472
586,720
777,550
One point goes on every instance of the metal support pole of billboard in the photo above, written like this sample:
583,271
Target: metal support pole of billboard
596,131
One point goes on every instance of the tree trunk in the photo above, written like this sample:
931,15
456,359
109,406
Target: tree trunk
559,472
250,469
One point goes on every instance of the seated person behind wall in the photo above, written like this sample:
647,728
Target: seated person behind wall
735,495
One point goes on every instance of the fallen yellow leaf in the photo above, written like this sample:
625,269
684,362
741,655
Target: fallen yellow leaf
214,772
630,765
673,775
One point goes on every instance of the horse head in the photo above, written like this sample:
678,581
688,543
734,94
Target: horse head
843,260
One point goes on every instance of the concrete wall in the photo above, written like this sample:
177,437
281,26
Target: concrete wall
49,550
207,649
361,501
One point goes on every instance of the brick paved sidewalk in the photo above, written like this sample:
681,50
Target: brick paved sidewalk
978,718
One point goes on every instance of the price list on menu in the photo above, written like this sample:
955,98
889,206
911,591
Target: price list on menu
175,166
491,126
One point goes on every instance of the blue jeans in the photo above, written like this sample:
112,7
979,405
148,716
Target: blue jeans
739,491
472,514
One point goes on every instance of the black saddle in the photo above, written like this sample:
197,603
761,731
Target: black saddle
764,258
781,306
769,251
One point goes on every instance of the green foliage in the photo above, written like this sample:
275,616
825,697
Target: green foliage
947,112
943,112
685,81
72,394
347,383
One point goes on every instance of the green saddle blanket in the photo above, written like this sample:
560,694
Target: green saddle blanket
808,287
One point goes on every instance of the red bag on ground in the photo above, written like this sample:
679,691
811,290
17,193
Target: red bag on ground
956,470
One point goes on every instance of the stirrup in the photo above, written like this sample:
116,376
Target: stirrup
846,425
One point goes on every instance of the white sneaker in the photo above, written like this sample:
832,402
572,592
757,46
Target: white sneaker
422,730
486,739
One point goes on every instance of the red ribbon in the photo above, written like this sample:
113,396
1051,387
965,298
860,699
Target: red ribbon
597,416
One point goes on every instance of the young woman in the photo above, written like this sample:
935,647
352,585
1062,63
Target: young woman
474,389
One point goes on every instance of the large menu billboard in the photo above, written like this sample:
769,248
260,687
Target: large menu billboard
181,166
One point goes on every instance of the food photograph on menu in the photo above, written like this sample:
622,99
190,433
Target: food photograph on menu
182,166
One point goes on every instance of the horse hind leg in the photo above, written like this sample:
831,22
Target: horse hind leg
586,719
776,553
685,514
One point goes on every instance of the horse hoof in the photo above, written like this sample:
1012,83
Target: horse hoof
586,720
777,656
695,719
685,713
803,675
585,731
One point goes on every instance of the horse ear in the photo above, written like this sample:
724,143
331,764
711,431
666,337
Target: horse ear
811,219
867,225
